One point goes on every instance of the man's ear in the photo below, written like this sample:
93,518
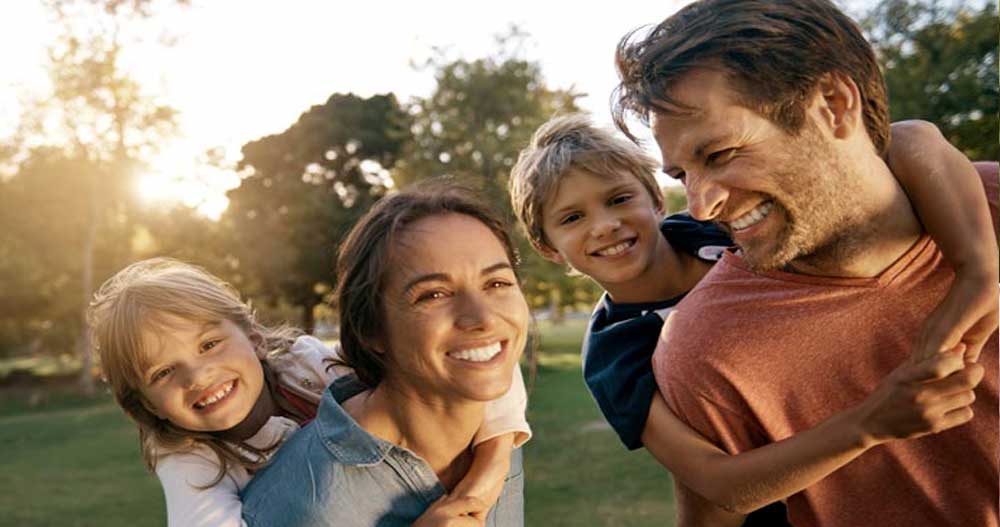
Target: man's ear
839,104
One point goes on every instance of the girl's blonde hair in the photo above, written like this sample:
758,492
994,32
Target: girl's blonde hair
137,298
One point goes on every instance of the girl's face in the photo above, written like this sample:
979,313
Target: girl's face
456,320
201,377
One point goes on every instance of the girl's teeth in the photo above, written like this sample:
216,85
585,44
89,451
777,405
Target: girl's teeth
482,354
215,397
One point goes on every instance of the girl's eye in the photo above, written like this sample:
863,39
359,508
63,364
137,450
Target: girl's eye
160,374
208,345
570,218
618,200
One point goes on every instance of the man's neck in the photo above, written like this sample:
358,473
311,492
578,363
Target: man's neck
867,249
440,433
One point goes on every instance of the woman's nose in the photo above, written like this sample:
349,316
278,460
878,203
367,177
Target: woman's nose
474,312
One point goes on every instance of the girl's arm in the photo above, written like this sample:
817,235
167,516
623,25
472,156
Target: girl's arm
914,400
188,505
504,428
947,193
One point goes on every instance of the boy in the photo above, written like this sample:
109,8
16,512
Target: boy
588,199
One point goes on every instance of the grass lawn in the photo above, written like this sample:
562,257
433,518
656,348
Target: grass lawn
75,462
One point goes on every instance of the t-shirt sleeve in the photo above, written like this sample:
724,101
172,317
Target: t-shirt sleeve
189,505
507,414
617,371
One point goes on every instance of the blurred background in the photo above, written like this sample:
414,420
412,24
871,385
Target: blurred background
247,137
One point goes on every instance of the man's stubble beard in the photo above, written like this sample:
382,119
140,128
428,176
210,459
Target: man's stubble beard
825,223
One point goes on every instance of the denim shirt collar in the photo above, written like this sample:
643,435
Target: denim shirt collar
342,436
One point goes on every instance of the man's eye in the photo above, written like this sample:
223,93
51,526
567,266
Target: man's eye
722,155
679,175
570,218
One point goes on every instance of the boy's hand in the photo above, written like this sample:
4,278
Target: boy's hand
919,399
453,511
967,315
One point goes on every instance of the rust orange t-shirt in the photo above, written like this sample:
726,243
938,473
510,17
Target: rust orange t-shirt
752,358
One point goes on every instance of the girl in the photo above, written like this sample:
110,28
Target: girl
214,393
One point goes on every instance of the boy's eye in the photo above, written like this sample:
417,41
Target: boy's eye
622,198
570,218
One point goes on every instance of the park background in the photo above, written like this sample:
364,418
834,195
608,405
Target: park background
247,137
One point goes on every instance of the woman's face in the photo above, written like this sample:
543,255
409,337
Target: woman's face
456,319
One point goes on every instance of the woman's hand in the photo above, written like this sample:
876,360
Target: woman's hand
967,315
454,511
919,399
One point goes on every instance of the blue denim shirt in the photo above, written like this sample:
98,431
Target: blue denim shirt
334,473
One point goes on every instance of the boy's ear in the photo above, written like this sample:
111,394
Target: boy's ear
550,254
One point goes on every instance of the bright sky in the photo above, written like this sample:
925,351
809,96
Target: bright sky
244,69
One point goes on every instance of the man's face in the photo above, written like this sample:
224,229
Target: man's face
781,197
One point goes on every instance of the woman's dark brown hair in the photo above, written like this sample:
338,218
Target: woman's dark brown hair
365,258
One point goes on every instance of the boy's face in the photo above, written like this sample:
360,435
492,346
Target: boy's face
606,227
201,377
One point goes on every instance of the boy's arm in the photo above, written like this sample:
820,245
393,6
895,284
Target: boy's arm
947,193
914,400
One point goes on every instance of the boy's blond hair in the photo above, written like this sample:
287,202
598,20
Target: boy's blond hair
140,297
565,142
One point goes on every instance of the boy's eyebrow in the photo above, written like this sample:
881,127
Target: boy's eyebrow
444,277
628,184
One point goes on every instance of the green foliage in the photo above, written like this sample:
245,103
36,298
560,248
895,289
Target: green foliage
306,187
940,64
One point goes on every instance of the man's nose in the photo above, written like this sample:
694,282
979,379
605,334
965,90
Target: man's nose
706,200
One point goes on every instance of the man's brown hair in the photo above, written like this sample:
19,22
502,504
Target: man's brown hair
773,52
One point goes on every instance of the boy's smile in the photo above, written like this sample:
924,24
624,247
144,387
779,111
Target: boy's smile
606,227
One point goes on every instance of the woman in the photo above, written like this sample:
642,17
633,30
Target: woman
433,322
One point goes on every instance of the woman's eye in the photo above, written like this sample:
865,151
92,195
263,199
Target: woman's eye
431,295
499,284
571,218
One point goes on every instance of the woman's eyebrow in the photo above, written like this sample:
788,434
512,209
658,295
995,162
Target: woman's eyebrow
444,277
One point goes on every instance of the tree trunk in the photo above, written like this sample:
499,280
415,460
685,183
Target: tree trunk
86,380
555,305
309,316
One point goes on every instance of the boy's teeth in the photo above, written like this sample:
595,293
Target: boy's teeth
751,218
482,354
615,250
214,398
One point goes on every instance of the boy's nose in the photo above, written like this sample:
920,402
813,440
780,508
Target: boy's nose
605,225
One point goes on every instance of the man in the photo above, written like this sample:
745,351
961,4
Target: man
774,115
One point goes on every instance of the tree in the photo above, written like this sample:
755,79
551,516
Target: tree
305,188
96,127
481,113
940,64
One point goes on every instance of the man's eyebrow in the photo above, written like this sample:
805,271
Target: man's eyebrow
444,277
699,152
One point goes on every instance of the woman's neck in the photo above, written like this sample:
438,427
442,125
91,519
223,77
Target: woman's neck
441,433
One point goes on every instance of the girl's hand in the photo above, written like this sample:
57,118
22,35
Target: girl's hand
919,399
967,315
485,478
453,511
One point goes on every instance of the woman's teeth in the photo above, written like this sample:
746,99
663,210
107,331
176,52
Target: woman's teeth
753,217
615,250
215,397
482,354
